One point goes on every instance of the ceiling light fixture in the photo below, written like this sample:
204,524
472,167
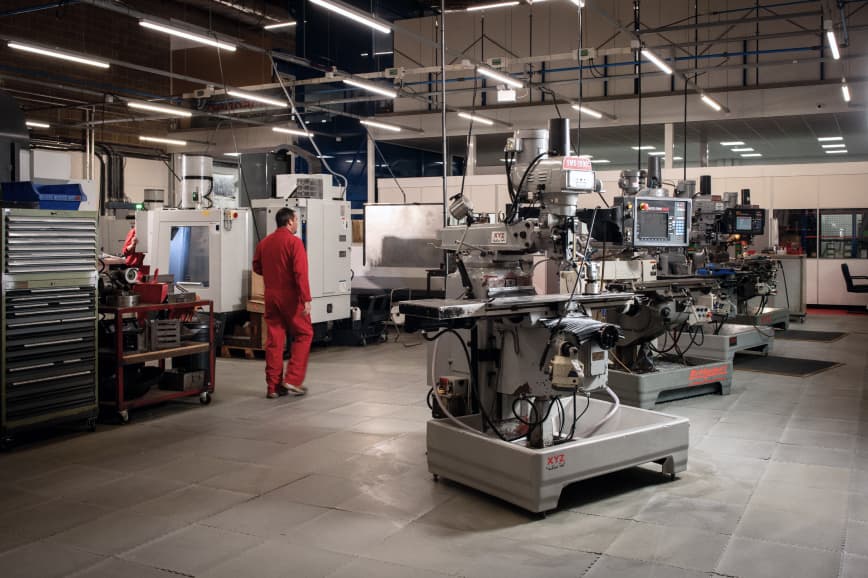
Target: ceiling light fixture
643,148
371,87
837,152
600,161
353,14
579,3
656,61
381,125
232,154
829,138
170,141
749,155
180,33
711,102
657,154
279,25
293,131
58,54
383,53
34,124
845,90
743,150
474,118
587,111
160,108
834,146
499,77
833,42
490,6
732,143
257,98
677,158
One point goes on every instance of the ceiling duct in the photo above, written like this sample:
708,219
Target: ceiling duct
242,11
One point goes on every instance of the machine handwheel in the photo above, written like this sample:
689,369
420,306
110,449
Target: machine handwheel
205,397
124,416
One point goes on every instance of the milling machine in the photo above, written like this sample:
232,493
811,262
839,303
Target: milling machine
512,372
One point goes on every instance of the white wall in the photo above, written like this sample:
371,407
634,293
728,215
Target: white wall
806,186
141,174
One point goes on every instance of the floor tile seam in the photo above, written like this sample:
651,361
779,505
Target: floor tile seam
839,549
194,486
146,565
390,563
669,527
66,497
53,539
793,485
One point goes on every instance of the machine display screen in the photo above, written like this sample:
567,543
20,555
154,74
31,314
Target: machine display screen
188,255
653,225
742,223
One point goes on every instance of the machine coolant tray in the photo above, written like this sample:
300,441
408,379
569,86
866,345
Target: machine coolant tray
534,478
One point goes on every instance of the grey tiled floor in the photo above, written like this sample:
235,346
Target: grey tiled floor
335,484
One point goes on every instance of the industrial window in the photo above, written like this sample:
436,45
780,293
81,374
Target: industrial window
844,233
797,231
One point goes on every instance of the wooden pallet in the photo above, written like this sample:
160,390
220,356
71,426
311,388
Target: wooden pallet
247,352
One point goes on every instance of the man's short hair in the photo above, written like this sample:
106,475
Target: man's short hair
284,216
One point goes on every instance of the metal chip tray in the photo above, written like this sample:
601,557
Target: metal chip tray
443,309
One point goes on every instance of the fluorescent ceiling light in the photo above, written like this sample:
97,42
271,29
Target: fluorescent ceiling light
293,131
383,53
160,108
833,44
677,158
743,150
588,111
34,124
579,3
381,125
837,152
845,90
232,154
500,77
170,141
749,155
491,6
732,143
829,138
657,62
354,15
200,38
657,154
371,87
280,25
325,157
643,148
474,118
711,102
58,54
257,98
601,161
834,146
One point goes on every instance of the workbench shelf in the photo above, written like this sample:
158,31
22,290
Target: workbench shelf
190,352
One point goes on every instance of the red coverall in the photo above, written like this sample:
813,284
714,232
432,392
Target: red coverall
133,259
282,261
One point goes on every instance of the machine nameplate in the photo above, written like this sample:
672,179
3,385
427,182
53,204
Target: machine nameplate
498,237
703,375
577,164
556,461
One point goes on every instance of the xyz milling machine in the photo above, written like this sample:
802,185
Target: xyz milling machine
512,372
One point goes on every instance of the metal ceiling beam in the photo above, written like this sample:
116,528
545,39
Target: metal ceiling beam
736,22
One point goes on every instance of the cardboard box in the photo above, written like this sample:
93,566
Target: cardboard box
256,305
358,231
257,286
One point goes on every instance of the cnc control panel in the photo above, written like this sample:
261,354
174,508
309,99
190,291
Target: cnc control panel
657,221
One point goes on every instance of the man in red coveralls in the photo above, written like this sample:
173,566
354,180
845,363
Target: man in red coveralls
132,257
282,261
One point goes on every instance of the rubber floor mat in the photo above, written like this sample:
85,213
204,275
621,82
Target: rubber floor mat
802,335
794,367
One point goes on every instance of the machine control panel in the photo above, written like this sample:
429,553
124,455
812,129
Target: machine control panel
658,221
744,221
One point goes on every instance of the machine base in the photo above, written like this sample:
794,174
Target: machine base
732,339
672,381
778,317
534,478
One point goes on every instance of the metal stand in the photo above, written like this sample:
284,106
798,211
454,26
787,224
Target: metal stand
732,339
778,317
672,381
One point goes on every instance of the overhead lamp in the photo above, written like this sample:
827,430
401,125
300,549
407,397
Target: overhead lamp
845,90
656,61
353,14
480,7
58,54
749,155
293,131
677,158
34,124
371,87
232,154
834,146
181,33
711,102
381,125
579,3
279,25
643,148
732,143
657,154
837,152
600,161
587,111
257,98
169,141
383,53
474,118
833,42
160,108
499,77
743,150
829,138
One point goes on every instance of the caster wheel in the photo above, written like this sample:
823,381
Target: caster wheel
672,477
205,398
383,338
436,478
91,424
124,416
363,342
